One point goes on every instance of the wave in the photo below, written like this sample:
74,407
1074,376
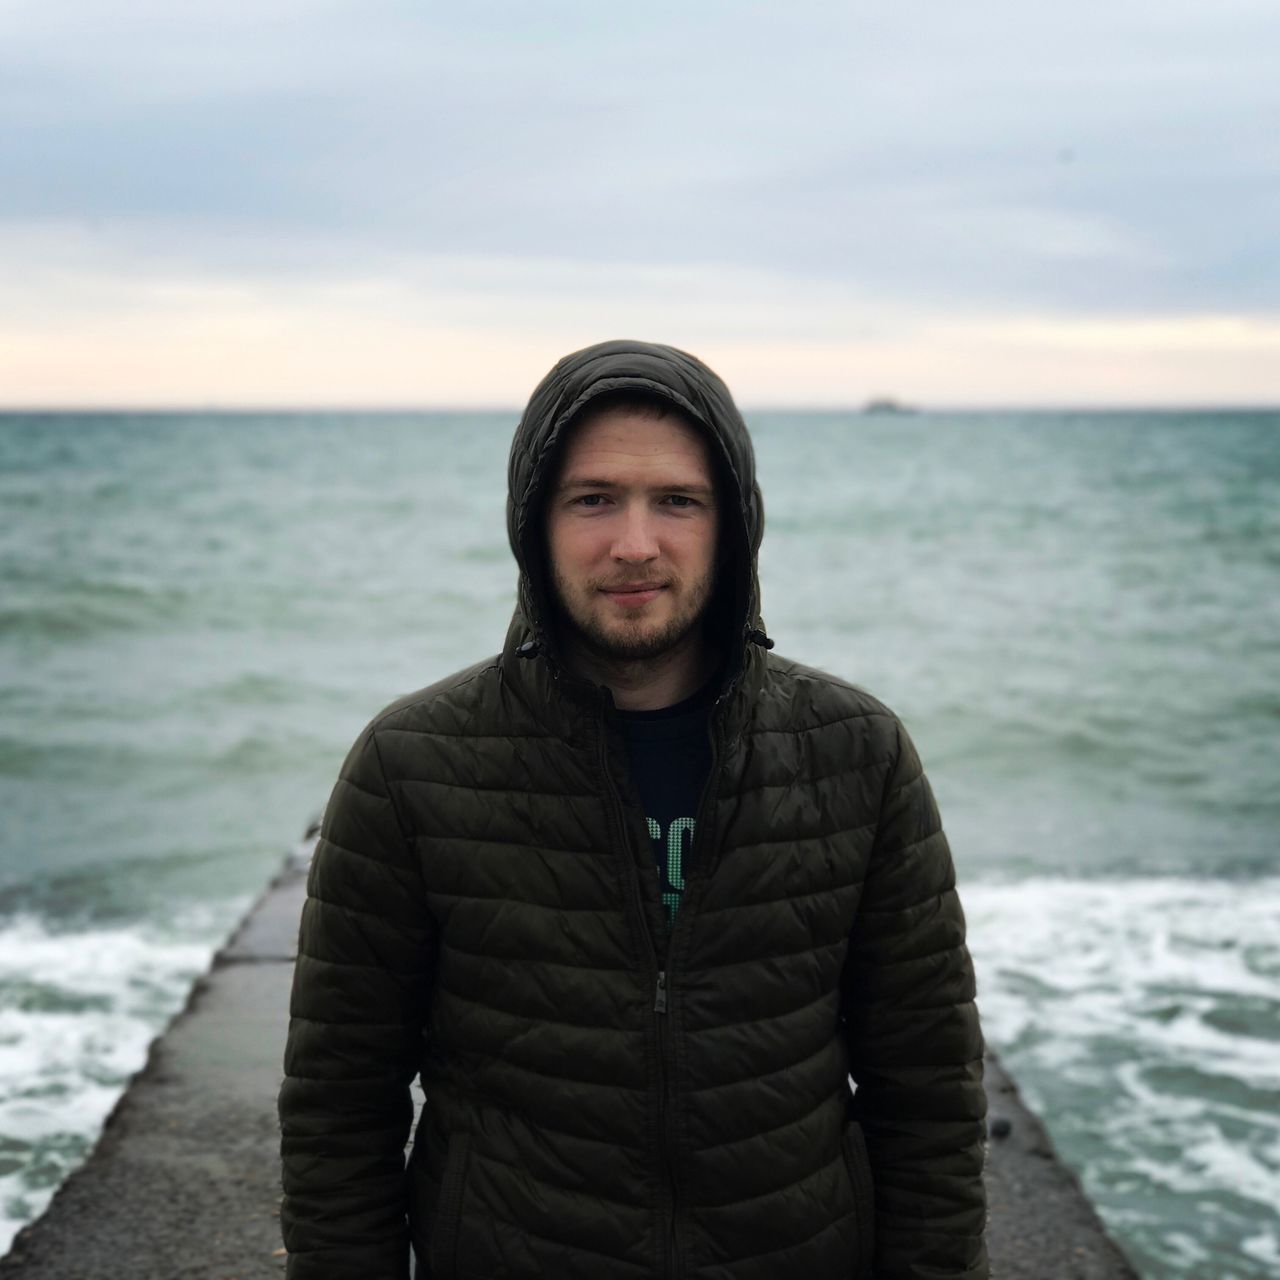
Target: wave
73,1035
80,609
1142,1019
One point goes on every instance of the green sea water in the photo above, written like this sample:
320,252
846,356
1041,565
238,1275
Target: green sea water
1076,615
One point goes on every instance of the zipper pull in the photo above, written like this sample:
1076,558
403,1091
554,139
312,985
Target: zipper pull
660,1000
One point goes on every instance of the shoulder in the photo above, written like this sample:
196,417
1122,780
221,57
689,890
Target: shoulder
452,707
800,699
451,701
807,696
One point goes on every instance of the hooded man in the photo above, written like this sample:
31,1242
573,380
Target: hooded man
635,898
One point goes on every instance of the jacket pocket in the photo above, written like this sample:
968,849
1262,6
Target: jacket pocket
864,1201
444,1230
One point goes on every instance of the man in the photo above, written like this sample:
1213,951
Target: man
635,897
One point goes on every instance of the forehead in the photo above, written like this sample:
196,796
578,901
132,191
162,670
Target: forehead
624,439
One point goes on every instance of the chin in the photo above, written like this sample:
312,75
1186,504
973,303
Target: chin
625,640
634,644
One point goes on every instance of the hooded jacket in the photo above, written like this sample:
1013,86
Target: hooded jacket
605,1099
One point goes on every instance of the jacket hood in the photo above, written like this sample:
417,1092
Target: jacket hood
702,397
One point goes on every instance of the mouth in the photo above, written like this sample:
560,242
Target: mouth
633,595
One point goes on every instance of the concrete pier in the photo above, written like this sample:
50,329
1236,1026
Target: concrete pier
184,1182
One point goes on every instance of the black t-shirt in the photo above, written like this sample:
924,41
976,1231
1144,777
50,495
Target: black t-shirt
670,758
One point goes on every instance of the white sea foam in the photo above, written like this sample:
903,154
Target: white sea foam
1115,956
1142,1018
1265,1248
77,1013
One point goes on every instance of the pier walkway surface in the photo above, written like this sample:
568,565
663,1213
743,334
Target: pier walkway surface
184,1182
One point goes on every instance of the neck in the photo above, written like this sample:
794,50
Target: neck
646,684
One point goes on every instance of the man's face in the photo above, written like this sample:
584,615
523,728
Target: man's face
631,532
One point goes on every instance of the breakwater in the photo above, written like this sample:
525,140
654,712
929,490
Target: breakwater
184,1181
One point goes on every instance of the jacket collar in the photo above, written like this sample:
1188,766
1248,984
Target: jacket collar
570,705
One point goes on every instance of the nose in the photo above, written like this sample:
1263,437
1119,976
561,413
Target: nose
635,541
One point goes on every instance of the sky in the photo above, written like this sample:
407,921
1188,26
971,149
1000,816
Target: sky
995,203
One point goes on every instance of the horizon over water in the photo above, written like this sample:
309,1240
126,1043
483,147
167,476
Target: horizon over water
1075,612
751,412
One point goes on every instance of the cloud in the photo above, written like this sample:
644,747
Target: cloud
1103,161
481,332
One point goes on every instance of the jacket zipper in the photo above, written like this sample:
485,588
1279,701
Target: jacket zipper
662,977
709,791
659,999
664,1114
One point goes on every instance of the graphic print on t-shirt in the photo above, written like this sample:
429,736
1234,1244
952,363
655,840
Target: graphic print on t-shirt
669,854
669,757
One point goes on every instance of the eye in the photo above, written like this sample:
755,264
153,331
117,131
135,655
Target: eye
681,500
589,500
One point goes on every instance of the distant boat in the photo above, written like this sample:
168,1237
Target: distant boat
887,404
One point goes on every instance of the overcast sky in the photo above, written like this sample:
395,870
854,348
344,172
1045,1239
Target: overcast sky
393,203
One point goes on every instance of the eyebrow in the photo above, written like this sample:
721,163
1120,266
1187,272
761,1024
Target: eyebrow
674,486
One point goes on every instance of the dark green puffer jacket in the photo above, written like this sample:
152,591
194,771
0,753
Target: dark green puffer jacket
604,1100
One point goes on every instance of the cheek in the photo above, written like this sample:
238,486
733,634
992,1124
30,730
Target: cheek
698,549
573,547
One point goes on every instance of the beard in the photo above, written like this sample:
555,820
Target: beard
630,639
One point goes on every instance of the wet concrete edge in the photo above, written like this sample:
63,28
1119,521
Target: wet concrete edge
184,1180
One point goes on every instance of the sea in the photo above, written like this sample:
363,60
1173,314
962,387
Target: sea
1077,616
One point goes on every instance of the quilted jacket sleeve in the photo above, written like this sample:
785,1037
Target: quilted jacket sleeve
915,1043
360,996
